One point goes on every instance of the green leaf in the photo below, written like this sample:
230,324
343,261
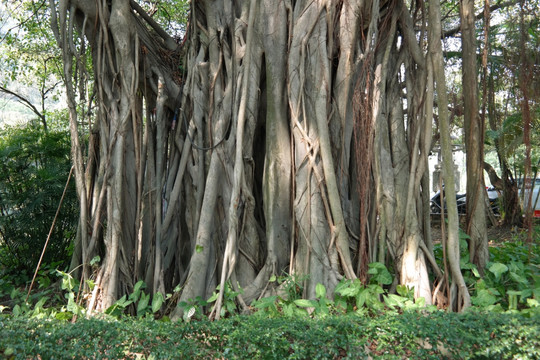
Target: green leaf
72,305
139,285
91,284
304,303
213,297
95,260
393,300
320,291
143,304
484,298
518,278
498,269
421,301
157,301
199,248
348,288
361,298
380,273
64,315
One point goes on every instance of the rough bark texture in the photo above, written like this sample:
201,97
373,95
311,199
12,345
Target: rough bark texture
474,142
294,141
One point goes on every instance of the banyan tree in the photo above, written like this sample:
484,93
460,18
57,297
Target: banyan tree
276,137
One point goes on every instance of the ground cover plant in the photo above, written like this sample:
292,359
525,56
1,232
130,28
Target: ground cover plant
361,321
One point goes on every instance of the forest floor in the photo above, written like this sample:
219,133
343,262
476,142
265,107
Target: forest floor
496,233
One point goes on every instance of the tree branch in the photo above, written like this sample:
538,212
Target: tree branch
480,15
26,103
493,177
169,41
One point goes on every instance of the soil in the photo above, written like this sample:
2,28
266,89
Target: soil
496,234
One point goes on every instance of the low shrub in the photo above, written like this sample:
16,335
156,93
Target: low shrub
474,335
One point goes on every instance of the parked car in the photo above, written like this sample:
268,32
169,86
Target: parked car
494,201
436,207
461,199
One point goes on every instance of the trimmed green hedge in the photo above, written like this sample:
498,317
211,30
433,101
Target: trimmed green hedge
410,335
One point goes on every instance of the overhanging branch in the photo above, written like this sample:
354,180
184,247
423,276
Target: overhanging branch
26,103
480,15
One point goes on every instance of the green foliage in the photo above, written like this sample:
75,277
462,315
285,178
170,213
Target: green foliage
350,296
409,335
34,167
193,308
171,14
229,299
512,279
30,58
138,300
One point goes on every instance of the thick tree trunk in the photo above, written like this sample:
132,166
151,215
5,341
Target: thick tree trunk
251,162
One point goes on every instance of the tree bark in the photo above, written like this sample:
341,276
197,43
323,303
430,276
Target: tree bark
247,164
462,297
474,143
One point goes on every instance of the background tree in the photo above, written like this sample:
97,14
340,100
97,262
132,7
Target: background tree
30,61
34,167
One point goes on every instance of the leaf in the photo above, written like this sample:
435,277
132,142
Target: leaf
230,306
199,248
533,303
157,301
139,285
320,291
189,314
123,301
265,302
95,260
361,298
380,273
421,301
484,298
518,278
64,315
72,305
304,303
40,303
404,291
213,297
91,284
348,288
498,269
393,300
143,304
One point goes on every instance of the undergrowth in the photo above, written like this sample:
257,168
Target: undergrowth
359,321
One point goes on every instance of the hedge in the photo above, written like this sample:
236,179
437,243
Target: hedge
391,336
